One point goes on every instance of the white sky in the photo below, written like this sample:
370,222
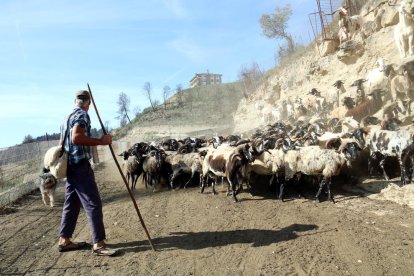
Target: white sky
50,49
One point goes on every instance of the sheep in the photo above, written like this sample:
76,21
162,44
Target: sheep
404,30
152,167
315,161
340,112
47,185
332,96
270,162
186,163
134,167
56,161
313,101
391,143
228,162
367,107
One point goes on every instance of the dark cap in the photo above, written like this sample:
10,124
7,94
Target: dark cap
83,95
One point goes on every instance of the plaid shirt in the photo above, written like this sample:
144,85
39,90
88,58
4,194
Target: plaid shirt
76,153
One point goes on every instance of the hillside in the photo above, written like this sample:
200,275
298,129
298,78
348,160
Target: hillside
196,111
211,106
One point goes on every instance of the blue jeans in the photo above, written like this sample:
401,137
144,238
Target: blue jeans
81,188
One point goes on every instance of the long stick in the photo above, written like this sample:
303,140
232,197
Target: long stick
123,176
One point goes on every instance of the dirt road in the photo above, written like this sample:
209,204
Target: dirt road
202,234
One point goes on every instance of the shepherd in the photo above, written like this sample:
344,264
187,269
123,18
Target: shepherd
81,188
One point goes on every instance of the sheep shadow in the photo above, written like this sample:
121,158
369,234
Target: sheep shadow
209,239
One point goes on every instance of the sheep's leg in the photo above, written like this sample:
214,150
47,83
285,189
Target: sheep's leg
135,181
233,183
282,187
382,165
370,167
189,180
213,186
127,175
321,185
328,185
203,180
172,180
412,168
402,167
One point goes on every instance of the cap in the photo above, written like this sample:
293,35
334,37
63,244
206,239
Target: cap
83,95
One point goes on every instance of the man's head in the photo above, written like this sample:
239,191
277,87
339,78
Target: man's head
83,99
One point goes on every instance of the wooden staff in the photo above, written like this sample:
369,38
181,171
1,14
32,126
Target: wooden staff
123,176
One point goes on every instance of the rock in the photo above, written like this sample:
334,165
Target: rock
390,17
350,51
327,47
370,27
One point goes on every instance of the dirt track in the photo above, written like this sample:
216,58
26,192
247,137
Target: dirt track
202,234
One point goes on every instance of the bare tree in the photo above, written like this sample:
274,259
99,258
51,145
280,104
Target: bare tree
148,93
179,93
123,107
275,26
166,94
250,77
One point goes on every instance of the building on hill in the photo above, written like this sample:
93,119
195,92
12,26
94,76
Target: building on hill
205,79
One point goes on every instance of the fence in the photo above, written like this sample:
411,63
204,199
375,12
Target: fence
19,167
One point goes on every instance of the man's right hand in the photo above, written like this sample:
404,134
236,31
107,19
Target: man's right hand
106,139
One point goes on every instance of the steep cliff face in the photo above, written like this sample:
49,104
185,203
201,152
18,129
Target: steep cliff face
310,70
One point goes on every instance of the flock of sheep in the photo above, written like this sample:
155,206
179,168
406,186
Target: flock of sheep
316,136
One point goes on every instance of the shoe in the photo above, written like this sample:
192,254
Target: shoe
72,246
104,251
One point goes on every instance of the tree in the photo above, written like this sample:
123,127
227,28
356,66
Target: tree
275,26
178,92
250,76
166,94
123,108
28,139
148,93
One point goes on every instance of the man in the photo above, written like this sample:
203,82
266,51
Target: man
80,182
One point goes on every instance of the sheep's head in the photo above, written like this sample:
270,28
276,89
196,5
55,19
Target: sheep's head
248,152
359,134
350,150
285,144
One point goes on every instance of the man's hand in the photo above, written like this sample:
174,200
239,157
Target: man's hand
106,139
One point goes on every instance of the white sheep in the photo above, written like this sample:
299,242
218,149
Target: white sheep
404,30
56,165
380,77
314,161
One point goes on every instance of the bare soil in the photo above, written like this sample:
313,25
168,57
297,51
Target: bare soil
203,234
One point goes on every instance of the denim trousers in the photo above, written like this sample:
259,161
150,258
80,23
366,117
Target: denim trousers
81,190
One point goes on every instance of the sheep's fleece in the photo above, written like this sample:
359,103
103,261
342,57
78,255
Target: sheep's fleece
56,165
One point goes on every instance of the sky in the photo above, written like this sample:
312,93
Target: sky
49,49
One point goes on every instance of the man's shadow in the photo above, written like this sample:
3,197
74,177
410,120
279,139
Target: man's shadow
200,240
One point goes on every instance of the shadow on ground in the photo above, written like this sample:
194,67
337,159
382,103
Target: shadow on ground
201,240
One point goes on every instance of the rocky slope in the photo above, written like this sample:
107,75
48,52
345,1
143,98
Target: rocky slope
311,70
